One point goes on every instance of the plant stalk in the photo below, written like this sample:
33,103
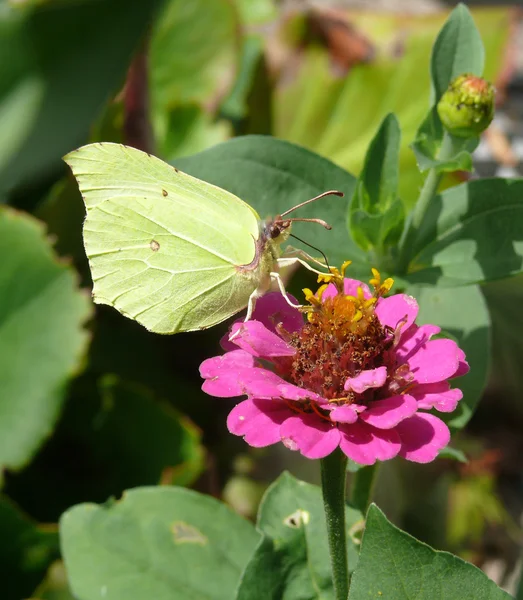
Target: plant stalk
333,479
428,191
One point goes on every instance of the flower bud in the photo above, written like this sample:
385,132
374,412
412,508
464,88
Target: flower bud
467,107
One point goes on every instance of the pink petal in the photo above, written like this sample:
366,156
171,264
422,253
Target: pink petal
435,361
463,367
371,378
251,382
365,445
222,373
258,421
273,311
392,310
231,360
257,382
387,413
344,414
413,338
255,338
311,435
350,288
422,437
437,395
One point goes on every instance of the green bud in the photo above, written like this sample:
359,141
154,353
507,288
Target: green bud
467,107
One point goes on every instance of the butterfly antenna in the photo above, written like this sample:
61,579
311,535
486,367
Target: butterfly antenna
319,221
313,247
329,193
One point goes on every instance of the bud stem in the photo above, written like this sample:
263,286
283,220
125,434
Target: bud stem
333,478
428,191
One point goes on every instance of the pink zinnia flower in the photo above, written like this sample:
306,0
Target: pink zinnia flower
358,373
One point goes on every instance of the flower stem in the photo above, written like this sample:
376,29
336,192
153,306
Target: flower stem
361,487
333,478
428,191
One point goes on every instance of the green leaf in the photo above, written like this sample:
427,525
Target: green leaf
376,215
191,51
376,231
504,300
380,172
453,454
162,543
273,175
50,64
26,551
458,49
41,336
235,106
462,314
395,566
472,233
292,559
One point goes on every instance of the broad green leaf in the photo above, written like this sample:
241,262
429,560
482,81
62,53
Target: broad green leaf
50,63
191,50
272,176
292,559
396,566
472,233
504,300
163,543
42,340
458,49
26,551
337,116
121,435
463,315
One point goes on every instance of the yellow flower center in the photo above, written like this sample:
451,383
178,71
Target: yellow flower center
342,337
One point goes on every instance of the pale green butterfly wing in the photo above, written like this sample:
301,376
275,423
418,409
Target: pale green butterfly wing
163,246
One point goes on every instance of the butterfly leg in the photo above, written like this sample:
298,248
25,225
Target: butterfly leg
276,277
290,261
296,253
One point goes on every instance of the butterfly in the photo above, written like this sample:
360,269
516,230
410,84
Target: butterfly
171,251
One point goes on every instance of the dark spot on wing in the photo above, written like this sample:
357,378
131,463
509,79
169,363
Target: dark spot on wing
175,169
164,193
155,246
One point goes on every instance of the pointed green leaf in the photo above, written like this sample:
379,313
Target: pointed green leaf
164,543
42,339
292,560
458,49
395,566
380,172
